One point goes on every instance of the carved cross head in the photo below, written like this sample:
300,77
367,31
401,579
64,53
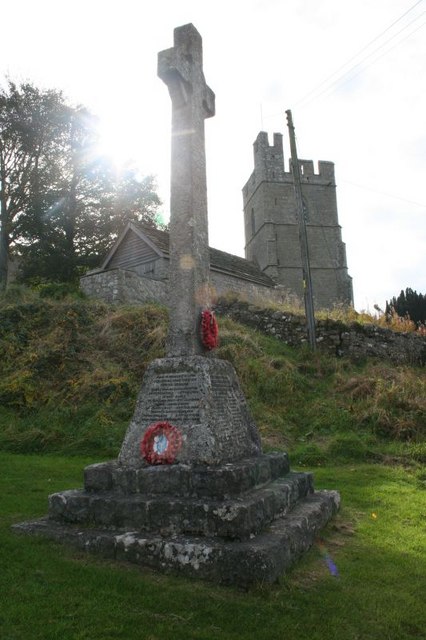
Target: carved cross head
181,68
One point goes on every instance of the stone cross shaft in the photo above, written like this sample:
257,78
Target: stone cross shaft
181,68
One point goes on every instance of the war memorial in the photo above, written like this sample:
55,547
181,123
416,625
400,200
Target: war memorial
191,491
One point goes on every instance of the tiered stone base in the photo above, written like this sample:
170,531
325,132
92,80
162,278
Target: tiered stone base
236,523
223,511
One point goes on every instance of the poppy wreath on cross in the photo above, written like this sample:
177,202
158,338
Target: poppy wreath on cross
209,330
161,442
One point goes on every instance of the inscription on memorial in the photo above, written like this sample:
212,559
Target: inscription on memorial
229,421
202,398
173,396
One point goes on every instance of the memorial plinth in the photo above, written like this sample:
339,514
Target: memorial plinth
203,397
220,509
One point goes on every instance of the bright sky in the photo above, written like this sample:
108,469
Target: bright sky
261,57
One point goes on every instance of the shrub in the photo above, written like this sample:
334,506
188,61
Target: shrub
348,447
59,290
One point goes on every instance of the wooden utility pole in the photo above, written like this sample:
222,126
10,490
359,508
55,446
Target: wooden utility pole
304,250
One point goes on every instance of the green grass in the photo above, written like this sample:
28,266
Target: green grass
377,542
327,409
70,370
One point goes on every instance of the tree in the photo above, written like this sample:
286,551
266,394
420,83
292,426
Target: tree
408,303
31,127
63,207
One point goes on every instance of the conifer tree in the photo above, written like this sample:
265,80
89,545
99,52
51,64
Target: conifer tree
408,303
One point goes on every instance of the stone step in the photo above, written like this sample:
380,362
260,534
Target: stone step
261,559
220,482
234,518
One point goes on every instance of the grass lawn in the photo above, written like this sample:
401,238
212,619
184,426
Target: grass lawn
377,542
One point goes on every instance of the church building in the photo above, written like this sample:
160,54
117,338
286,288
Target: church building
272,229
136,268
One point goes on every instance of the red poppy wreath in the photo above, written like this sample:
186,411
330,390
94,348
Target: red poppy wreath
161,442
209,330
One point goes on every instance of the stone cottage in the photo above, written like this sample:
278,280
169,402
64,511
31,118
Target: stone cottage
136,270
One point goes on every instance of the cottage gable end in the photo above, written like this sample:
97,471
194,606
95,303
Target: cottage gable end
131,249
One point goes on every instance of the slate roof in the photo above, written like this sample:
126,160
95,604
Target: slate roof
219,260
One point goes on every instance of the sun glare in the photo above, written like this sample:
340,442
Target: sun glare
132,140
117,142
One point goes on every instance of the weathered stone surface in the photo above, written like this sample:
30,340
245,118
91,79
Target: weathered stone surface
264,558
184,480
202,398
271,227
181,68
356,341
124,287
238,517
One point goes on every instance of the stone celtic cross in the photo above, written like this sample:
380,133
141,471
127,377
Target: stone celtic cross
181,68
218,508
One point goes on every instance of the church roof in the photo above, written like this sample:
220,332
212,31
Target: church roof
220,261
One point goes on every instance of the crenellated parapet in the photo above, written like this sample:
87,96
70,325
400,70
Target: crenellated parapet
325,171
268,159
269,166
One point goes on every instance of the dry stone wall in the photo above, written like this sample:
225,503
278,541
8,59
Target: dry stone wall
355,340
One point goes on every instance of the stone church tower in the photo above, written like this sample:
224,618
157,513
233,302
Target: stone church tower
271,226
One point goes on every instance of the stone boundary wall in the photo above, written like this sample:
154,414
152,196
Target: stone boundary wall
355,340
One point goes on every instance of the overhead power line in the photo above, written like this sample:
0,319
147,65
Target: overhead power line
382,193
349,74
352,73
364,48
